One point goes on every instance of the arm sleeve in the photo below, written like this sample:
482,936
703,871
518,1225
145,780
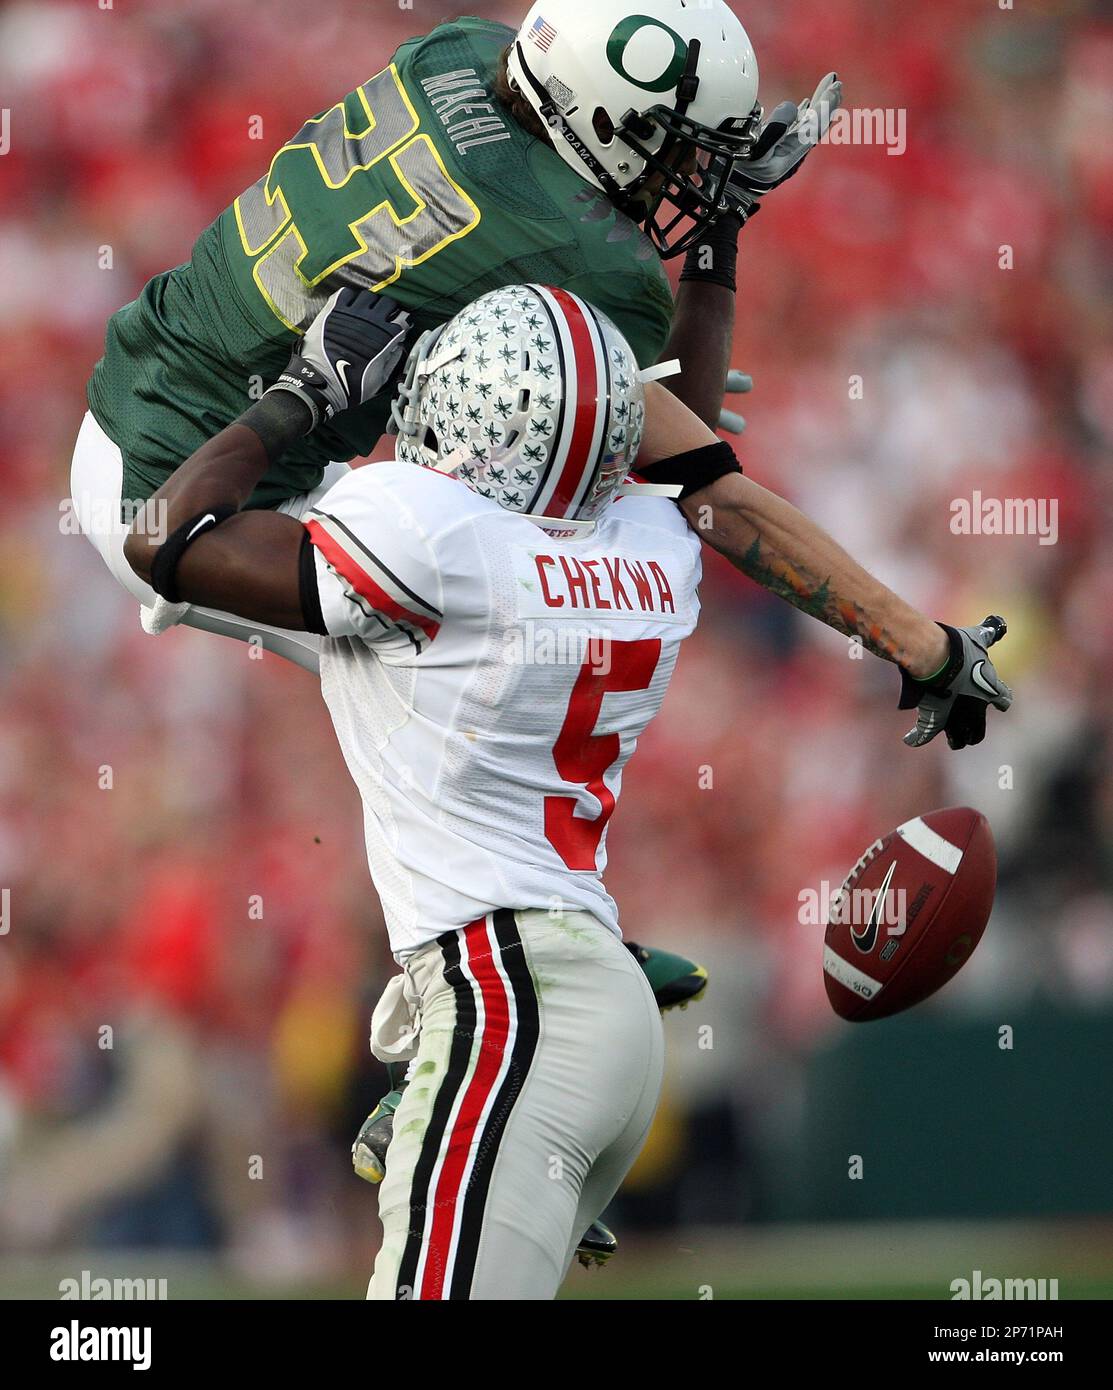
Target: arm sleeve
377,574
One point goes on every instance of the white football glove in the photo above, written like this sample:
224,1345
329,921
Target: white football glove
163,615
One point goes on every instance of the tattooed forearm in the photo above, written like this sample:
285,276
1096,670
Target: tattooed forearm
818,599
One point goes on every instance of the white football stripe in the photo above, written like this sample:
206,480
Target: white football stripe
660,371
849,975
930,844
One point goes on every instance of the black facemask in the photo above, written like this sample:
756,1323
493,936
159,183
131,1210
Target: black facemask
696,197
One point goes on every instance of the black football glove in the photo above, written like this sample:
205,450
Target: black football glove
349,353
785,141
954,701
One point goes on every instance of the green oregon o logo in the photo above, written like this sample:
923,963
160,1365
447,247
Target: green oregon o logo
960,946
620,37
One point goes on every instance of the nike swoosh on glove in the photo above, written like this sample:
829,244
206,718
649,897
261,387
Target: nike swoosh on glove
954,701
349,353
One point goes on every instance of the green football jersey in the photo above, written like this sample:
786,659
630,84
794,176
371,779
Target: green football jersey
419,184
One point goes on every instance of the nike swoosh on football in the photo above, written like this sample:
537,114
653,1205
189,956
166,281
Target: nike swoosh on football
866,940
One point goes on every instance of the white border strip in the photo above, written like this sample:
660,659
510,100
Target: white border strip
930,844
849,975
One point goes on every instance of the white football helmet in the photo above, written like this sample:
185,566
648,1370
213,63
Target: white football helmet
629,96
532,398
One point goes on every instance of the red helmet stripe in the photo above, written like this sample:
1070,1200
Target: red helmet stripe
586,424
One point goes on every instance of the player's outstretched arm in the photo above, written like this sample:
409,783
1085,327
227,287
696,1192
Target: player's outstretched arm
782,550
946,672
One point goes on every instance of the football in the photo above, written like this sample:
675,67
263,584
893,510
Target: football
909,913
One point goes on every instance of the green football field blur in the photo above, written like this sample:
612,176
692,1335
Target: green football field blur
870,1261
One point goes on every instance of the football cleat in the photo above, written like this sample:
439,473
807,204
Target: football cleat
676,981
373,1139
597,1245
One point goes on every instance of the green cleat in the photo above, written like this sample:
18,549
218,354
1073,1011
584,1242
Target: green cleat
675,980
369,1150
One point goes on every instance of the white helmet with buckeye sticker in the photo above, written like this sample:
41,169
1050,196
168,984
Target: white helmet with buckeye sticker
648,101
531,397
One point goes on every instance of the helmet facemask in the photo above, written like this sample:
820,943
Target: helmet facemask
697,196
653,108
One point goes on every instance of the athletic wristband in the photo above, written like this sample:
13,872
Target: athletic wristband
694,470
914,688
714,258
280,417
164,568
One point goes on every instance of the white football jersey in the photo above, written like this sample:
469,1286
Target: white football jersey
488,683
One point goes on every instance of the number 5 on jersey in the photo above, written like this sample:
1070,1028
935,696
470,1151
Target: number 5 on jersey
586,757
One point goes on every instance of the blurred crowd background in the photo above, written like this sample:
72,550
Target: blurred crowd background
179,835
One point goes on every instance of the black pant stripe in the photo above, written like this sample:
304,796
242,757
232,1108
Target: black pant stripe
523,1007
463,1036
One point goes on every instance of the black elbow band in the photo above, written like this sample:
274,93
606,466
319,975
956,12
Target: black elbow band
308,590
164,568
694,470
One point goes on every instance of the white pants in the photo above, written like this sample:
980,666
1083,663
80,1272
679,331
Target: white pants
538,1067
96,486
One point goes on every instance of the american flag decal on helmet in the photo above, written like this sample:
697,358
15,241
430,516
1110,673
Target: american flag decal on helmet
542,34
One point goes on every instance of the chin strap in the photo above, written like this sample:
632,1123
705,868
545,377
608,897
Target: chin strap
660,371
670,490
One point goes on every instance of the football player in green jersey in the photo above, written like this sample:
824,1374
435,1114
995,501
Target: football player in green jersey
577,152
479,157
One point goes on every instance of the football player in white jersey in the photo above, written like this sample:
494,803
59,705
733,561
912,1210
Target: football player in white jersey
499,619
